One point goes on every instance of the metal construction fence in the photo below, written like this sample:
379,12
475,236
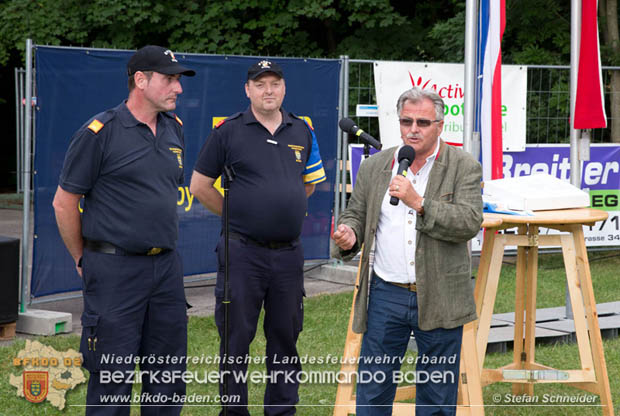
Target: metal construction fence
548,101
20,125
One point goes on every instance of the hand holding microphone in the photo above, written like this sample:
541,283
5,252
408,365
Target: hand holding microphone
406,156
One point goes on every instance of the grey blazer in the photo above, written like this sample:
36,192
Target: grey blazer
452,216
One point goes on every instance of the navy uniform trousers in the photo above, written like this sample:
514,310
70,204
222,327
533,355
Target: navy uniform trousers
274,278
134,306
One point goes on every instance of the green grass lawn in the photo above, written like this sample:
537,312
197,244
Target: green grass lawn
324,333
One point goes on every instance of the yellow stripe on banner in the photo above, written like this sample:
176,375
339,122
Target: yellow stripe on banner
95,126
314,176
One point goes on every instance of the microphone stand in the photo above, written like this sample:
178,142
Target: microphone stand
227,178
366,153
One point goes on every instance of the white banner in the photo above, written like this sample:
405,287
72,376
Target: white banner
393,78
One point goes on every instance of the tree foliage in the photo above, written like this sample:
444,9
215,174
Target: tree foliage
537,31
321,28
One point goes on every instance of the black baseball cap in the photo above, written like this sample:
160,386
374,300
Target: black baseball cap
263,66
158,59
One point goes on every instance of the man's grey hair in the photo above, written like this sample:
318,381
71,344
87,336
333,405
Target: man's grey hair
416,95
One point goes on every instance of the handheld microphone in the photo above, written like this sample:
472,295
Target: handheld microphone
406,155
348,125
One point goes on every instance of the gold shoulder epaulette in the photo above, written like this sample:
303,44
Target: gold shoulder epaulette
95,126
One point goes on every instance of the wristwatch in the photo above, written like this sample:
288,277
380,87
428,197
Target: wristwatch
421,212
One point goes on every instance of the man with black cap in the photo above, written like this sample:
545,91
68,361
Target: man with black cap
127,164
277,163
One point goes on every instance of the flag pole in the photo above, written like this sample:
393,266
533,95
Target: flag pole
471,11
575,166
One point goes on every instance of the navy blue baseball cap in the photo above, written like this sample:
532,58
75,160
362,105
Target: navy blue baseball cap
158,59
263,66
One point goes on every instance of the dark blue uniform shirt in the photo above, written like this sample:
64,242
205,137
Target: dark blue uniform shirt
267,197
129,178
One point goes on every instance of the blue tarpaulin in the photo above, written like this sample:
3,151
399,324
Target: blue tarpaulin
73,84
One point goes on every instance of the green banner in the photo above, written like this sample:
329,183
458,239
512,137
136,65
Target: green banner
604,199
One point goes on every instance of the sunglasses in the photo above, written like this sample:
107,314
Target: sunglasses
421,122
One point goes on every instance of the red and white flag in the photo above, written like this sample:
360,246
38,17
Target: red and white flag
589,102
491,30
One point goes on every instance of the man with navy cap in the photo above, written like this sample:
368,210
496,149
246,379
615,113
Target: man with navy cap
127,164
277,163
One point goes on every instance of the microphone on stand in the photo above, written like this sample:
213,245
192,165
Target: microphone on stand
227,177
348,125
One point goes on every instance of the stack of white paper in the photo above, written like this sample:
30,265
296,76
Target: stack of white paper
535,192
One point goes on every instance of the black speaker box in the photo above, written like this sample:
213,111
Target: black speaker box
9,279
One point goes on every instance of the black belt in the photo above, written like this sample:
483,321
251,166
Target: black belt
107,248
273,245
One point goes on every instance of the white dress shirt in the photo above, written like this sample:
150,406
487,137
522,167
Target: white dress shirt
396,234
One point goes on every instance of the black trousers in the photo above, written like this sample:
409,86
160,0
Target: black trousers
134,309
273,278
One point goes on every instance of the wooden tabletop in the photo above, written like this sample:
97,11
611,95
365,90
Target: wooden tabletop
490,222
557,216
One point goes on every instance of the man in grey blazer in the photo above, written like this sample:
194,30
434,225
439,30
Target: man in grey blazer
415,270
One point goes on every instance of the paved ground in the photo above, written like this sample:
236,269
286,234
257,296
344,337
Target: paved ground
198,289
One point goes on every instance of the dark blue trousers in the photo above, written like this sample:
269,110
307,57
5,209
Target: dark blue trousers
134,308
392,315
259,277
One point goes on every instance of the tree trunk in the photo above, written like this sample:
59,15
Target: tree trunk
608,10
